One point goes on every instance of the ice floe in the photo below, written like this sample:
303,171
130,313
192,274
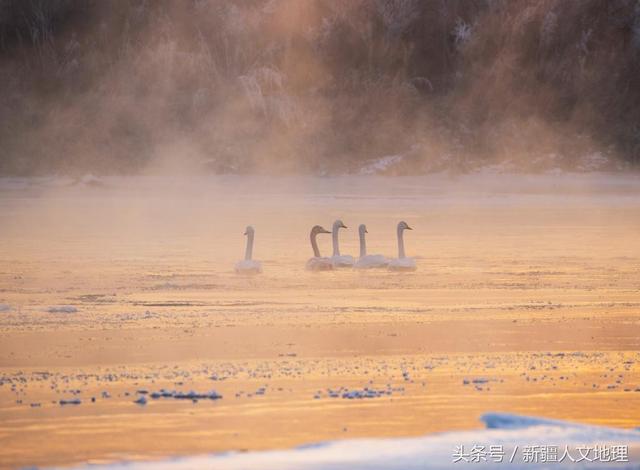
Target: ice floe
142,400
71,401
62,309
191,395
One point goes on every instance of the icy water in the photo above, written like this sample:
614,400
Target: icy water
121,290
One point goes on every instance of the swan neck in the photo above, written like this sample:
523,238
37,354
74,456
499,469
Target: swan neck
314,245
363,245
400,243
249,251
334,237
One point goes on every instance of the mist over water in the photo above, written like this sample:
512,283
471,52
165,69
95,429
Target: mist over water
318,87
204,217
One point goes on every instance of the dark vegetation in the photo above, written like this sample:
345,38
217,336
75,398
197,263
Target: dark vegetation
319,86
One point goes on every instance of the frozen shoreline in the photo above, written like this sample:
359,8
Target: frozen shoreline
479,177
441,188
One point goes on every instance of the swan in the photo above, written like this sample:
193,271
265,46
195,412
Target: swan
248,265
338,260
402,263
368,261
318,263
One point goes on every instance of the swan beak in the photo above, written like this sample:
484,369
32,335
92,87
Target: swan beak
366,231
244,233
344,226
409,228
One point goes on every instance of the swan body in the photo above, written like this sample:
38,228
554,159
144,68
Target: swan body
338,260
318,263
402,263
371,261
342,261
366,261
249,265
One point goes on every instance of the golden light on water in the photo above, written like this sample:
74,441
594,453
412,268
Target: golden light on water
127,287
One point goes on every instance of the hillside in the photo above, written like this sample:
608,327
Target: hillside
320,86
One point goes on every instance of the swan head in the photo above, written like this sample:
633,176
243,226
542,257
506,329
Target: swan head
362,229
249,230
338,224
404,226
318,229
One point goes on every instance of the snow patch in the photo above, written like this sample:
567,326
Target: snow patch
381,165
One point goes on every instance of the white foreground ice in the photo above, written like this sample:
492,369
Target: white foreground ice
438,451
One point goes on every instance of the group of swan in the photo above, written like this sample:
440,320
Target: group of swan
320,263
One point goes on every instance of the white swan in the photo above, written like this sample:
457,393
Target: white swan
368,261
338,260
318,263
402,263
248,265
